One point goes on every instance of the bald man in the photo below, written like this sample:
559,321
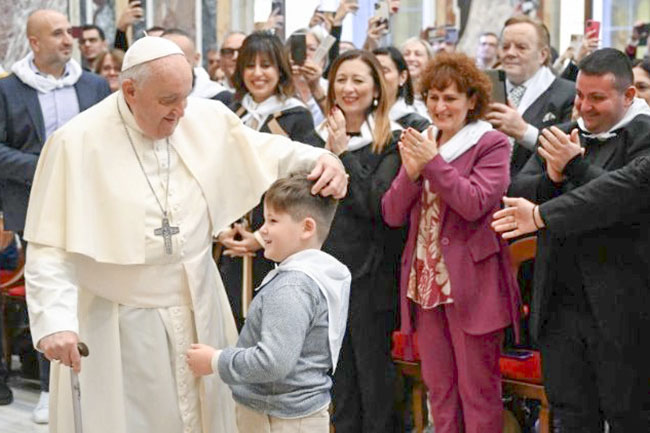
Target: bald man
45,90
203,86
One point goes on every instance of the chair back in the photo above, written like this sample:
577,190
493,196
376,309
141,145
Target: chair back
12,277
522,250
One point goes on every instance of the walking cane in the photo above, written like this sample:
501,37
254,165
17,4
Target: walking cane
247,273
76,391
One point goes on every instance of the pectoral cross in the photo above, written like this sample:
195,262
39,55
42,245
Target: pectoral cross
166,231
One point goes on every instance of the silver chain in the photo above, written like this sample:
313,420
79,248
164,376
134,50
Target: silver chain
162,209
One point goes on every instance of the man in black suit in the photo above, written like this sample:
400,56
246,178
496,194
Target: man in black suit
537,99
47,88
591,309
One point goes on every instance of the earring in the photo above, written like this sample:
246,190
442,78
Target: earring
375,102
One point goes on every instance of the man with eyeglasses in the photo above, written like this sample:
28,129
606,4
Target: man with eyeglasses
229,51
91,44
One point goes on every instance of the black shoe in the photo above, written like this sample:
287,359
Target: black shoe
6,396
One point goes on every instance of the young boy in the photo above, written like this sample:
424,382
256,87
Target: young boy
278,371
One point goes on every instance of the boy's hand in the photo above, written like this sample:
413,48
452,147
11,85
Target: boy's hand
199,358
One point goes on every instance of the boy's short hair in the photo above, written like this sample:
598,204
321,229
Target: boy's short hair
292,194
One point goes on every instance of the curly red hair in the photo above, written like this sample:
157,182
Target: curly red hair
446,69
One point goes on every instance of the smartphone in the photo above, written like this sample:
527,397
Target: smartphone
592,27
451,35
76,32
520,354
382,12
498,79
298,44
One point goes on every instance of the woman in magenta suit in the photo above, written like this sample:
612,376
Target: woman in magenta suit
456,287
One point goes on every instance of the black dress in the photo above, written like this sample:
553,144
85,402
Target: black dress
364,381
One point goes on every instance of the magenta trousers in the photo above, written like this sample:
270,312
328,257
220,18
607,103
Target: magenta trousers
461,372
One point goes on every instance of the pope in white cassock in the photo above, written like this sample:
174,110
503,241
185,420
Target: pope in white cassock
125,202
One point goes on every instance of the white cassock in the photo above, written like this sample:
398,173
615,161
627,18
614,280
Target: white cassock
95,266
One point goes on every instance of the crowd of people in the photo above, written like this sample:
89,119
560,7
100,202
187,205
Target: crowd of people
394,181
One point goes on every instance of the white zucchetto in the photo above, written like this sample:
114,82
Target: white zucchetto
147,49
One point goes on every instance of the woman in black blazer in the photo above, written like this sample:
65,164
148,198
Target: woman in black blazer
358,130
263,100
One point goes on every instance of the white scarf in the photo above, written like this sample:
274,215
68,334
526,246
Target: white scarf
256,114
400,109
463,140
47,83
333,279
204,87
535,86
639,106
356,142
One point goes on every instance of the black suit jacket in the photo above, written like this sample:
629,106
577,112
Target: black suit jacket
592,239
550,108
22,136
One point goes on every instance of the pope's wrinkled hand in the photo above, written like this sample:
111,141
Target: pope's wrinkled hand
330,177
62,346
199,359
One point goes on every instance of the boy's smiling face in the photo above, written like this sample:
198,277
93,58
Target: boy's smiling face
283,236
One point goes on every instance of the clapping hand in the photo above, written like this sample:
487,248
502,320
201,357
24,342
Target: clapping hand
557,149
247,245
337,136
417,150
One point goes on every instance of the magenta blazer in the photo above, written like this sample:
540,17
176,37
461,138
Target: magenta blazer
470,188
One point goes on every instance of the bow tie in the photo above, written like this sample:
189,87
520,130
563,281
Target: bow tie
603,136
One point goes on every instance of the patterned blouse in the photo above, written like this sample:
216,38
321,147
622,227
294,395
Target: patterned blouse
428,283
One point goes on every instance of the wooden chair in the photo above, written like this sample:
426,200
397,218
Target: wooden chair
523,378
407,362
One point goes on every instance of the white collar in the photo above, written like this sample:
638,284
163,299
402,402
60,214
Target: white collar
45,83
358,141
463,140
272,104
204,87
400,109
535,86
639,106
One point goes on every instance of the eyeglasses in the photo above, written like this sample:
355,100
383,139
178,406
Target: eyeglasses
228,52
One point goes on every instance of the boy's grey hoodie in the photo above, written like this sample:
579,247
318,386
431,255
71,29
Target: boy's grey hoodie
291,339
